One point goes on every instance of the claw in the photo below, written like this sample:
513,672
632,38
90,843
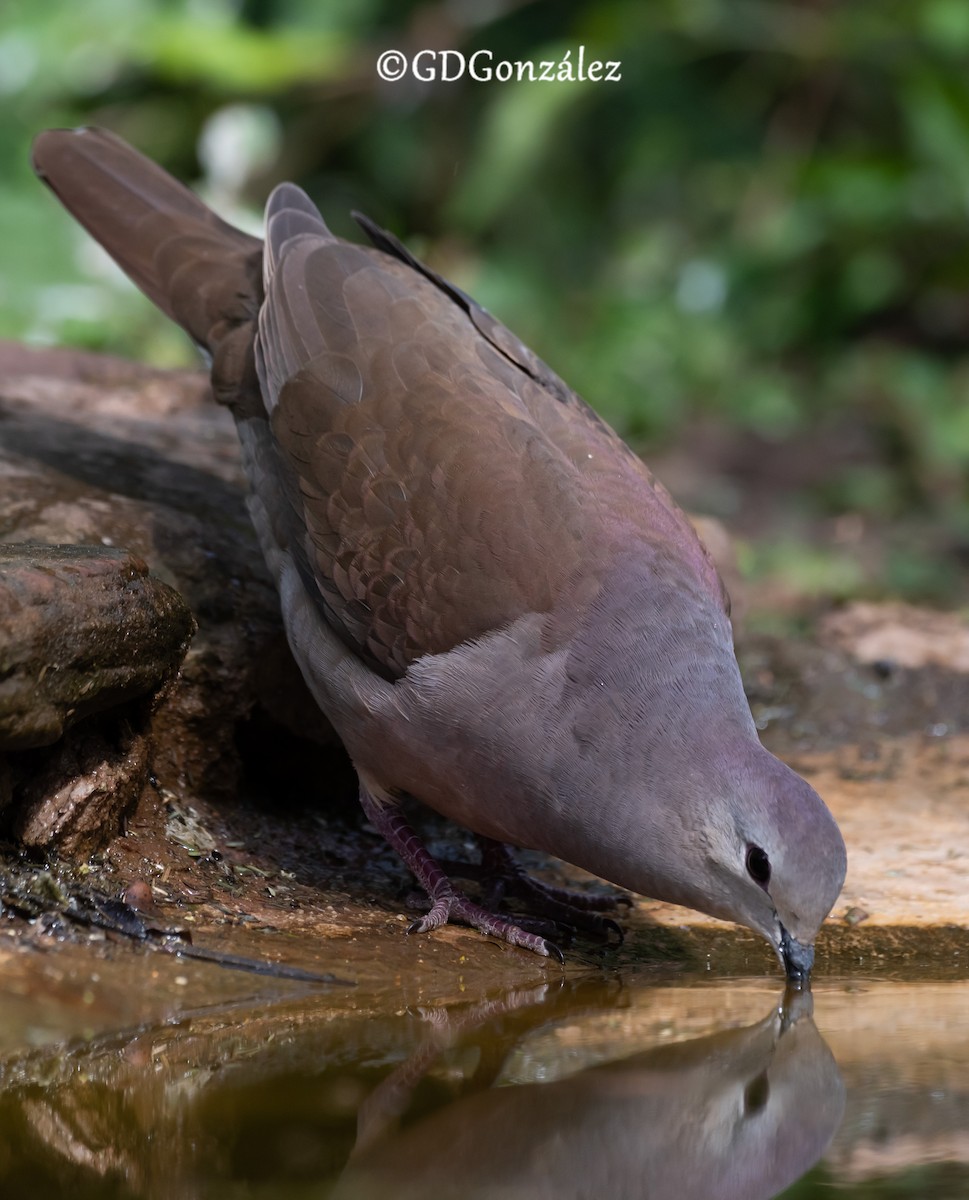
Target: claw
562,905
552,951
447,903
613,927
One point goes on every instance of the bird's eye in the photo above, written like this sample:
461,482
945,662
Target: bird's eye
758,866
756,1095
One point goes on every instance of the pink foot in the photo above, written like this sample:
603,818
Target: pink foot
447,903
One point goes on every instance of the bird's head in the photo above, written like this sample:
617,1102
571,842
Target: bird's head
777,856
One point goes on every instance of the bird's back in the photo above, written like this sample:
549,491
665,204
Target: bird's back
440,480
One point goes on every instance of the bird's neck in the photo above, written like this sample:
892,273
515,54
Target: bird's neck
656,638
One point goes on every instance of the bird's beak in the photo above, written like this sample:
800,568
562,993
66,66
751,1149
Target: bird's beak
796,1004
797,959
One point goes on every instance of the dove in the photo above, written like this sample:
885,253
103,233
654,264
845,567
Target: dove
737,1114
501,612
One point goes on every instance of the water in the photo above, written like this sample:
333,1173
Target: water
180,1080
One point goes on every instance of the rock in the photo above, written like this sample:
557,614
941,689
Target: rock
75,796
109,454
899,635
71,617
85,630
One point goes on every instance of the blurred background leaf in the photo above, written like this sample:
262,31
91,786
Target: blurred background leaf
751,253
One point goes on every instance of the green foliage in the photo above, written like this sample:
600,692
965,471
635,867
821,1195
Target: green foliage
762,223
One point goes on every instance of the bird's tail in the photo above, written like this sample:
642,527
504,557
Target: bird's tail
200,271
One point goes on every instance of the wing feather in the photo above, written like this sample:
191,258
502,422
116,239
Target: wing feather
445,482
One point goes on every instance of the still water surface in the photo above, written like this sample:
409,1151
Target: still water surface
607,1086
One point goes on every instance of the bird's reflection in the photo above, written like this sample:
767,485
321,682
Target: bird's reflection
526,1094
741,1113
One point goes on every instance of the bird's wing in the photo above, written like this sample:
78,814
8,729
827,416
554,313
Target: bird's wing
572,423
443,488
497,334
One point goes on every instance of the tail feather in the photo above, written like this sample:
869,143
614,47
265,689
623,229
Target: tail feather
199,270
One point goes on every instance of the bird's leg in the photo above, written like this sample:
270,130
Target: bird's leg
447,903
505,877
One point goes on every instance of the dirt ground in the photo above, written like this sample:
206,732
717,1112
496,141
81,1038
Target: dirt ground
302,881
